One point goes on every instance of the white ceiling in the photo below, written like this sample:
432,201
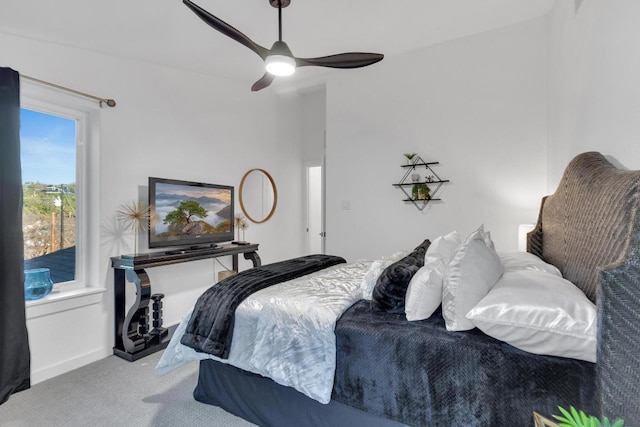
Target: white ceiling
166,32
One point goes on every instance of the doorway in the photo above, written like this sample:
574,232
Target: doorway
315,210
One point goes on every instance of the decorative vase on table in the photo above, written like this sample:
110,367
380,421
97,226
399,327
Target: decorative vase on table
37,283
241,224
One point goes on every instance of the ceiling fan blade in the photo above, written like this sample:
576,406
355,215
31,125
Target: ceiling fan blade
226,29
342,60
263,82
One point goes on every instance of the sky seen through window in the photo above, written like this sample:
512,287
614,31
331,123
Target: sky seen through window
48,148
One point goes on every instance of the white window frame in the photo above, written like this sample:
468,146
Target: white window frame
85,288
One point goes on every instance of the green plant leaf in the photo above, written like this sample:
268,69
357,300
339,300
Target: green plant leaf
582,417
618,423
563,421
575,414
567,416
566,419
590,420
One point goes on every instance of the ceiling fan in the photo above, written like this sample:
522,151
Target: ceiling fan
279,60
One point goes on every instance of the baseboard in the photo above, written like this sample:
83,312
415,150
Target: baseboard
68,365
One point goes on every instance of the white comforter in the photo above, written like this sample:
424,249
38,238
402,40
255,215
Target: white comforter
286,331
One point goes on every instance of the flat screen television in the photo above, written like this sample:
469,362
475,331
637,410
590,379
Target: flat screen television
189,214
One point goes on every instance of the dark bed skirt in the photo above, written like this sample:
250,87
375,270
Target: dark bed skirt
261,401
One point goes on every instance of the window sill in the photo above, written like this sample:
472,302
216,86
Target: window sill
60,301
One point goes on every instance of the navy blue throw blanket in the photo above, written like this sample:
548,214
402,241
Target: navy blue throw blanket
420,374
210,329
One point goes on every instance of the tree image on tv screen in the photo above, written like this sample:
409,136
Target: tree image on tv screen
186,219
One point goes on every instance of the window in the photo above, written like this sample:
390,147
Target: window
48,156
59,155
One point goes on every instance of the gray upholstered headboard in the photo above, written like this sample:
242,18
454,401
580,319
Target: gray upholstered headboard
590,229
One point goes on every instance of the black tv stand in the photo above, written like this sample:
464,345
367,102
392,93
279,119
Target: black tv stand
177,251
133,340
191,249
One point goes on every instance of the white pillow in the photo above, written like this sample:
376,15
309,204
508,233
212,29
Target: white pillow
424,293
514,261
487,239
473,270
444,247
377,267
540,313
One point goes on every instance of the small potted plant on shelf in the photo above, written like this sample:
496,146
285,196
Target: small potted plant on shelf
409,157
420,191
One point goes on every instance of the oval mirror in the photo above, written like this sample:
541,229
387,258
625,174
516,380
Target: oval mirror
258,195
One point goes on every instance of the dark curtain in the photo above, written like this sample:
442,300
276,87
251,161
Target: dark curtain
14,342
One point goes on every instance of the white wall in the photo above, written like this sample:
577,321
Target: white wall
594,101
313,106
168,123
478,105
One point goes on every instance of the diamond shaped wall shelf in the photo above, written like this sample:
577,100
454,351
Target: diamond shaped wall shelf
420,183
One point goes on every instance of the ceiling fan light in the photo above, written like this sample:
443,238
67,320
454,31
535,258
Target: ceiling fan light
280,65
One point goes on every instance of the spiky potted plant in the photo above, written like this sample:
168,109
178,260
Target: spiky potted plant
577,418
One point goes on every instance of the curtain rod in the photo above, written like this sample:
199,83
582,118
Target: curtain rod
108,101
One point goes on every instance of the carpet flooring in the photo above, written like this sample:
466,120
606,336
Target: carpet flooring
114,392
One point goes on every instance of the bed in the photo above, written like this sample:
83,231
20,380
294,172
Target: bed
363,363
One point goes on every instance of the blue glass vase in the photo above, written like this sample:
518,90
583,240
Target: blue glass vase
37,283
